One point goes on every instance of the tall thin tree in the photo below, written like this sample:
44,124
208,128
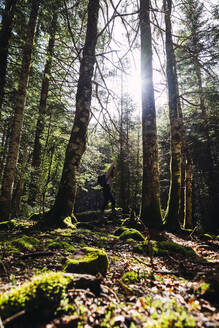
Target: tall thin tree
174,201
151,211
65,199
5,35
9,173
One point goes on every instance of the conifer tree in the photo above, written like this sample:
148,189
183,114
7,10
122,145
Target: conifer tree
9,172
151,211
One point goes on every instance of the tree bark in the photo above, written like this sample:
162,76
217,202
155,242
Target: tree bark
151,211
20,186
174,201
44,95
64,203
9,173
37,151
5,35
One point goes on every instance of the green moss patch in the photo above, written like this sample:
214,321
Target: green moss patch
25,243
93,260
132,223
42,293
61,245
8,225
128,234
161,248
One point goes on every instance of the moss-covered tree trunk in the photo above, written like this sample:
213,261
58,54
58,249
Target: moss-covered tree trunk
151,212
174,201
5,35
9,173
37,151
64,203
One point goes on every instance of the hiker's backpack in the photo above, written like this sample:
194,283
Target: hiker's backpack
101,180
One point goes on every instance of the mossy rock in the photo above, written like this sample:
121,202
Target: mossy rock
93,260
8,225
25,243
131,234
132,223
41,295
161,248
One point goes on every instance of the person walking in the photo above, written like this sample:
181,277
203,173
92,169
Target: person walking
107,194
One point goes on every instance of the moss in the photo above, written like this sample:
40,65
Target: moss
25,243
8,225
171,246
131,234
70,222
42,293
61,245
132,223
129,277
93,261
165,247
119,231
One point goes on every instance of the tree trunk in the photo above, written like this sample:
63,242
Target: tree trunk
5,35
151,211
64,203
44,95
9,173
37,151
212,182
20,186
187,208
174,200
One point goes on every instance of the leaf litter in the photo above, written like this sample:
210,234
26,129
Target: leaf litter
177,291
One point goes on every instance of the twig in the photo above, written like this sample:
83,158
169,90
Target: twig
111,291
140,261
13,317
4,267
35,254
193,231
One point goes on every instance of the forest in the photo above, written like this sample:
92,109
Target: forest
84,84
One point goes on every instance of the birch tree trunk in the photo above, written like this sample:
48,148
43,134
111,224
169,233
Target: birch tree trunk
65,199
5,35
151,212
9,173
174,201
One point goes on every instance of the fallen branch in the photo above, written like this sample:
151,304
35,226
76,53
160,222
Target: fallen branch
13,317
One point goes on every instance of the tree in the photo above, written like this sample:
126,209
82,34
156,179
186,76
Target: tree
5,35
37,151
174,201
65,199
196,67
9,173
151,211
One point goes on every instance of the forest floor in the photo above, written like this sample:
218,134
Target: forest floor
161,290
